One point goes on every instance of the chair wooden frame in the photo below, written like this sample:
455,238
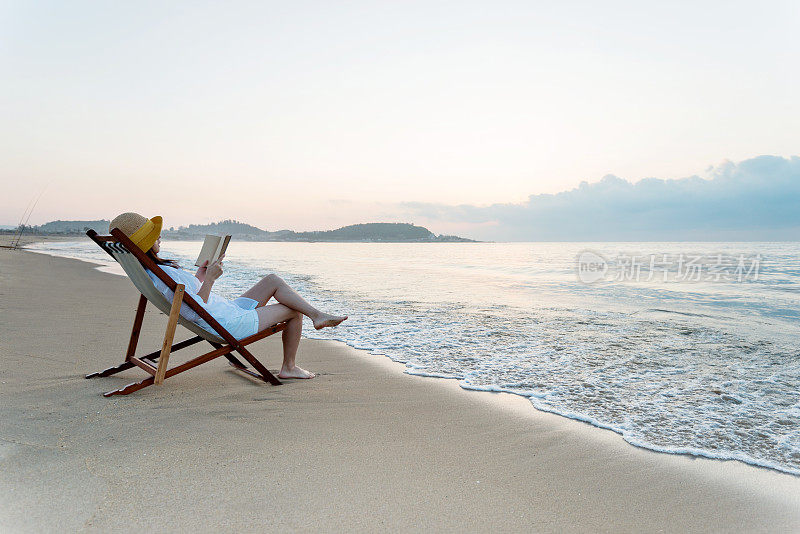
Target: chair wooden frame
223,342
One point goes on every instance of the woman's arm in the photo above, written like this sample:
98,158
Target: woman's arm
213,272
205,290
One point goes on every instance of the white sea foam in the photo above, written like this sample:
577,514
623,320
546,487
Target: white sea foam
707,369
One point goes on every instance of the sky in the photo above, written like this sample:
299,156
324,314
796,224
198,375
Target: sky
314,115
754,200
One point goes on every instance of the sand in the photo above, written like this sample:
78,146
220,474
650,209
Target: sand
8,240
361,447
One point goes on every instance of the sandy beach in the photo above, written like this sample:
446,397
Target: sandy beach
362,447
8,240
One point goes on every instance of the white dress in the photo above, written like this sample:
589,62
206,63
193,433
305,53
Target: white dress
239,316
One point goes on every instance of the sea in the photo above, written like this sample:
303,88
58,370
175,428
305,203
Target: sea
684,348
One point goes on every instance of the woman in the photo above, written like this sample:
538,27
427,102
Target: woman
243,316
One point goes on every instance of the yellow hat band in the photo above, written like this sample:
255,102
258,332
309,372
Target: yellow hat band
146,236
142,232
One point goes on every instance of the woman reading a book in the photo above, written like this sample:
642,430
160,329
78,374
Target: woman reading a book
243,316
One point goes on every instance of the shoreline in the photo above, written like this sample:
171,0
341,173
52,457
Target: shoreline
113,268
360,446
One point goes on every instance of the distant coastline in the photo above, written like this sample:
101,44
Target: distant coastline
355,233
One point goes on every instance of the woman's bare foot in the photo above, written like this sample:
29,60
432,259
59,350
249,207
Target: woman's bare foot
295,372
325,320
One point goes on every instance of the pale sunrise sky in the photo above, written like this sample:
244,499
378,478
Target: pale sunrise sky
313,115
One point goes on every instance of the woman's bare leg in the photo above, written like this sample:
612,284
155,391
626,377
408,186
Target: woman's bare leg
273,286
277,313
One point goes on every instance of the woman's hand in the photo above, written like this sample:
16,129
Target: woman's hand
201,272
214,270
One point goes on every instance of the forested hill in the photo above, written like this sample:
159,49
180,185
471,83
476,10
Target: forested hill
68,227
371,232
226,227
367,232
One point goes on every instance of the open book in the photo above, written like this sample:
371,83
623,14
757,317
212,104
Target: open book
213,247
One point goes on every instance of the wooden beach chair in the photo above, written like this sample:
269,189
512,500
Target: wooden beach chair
134,262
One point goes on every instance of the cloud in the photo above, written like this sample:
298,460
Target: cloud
756,199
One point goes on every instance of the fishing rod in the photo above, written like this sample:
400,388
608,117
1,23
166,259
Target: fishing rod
18,231
29,212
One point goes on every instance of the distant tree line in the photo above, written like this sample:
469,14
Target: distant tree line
366,232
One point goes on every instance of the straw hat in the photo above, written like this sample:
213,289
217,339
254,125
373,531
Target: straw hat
142,231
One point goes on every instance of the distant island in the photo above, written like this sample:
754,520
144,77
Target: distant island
361,233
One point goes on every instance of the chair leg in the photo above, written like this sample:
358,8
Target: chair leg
135,386
169,335
265,374
153,356
137,327
233,360
132,342
237,364
130,388
111,370
219,350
